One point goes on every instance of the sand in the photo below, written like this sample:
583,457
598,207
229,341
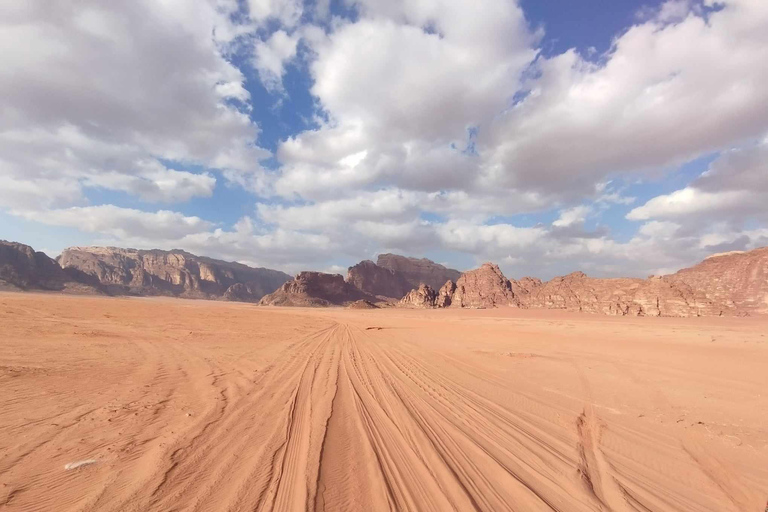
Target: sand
163,404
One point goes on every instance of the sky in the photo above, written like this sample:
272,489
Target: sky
618,138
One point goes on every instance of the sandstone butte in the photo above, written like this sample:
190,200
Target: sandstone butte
116,271
734,284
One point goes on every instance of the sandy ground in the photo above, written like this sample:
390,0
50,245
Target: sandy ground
161,404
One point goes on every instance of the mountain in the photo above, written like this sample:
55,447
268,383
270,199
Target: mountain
379,281
417,271
316,289
175,273
725,284
22,268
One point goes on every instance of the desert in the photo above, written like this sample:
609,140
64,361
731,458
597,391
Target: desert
137,404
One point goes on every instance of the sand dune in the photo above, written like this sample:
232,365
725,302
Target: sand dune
162,404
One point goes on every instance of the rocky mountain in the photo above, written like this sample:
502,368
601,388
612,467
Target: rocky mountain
175,273
735,282
313,289
417,271
23,268
422,297
379,281
485,287
726,284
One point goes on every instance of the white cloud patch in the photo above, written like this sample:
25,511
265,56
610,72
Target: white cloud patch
665,94
98,93
571,216
272,55
734,187
122,223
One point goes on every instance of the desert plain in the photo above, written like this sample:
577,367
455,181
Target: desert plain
156,404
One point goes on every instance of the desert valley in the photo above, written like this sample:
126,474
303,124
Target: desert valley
431,390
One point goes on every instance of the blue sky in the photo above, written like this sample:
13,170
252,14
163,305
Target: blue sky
619,138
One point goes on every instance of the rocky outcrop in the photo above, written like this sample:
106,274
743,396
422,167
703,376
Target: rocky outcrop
362,304
176,273
23,268
732,284
379,281
485,287
445,295
315,289
422,297
417,271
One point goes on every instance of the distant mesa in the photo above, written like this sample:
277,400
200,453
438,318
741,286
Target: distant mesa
393,276
417,271
175,273
734,283
22,268
316,289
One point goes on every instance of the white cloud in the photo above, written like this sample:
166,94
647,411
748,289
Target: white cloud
122,223
156,183
734,187
665,94
404,85
272,55
287,12
98,92
571,216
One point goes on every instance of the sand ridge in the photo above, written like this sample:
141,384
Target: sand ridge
163,404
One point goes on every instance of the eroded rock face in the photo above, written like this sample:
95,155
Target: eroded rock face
445,295
313,289
485,287
422,297
417,271
734,283
176,273
379,281
728,284
23,268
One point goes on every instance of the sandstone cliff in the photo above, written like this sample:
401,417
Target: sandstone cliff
733,284
379,281
175,273
417,271
483,288
22,268
313,289
422,297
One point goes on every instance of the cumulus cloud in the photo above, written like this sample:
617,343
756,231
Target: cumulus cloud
405,85
272,55
100,92
122,223
664,94
734,187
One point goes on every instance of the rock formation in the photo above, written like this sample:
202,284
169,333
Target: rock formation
417,271
379,281
22,268
176,273
422,297
362,304
445,295
735,282
313,289
485,287
725,284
